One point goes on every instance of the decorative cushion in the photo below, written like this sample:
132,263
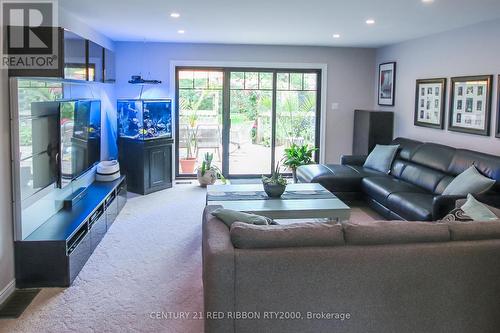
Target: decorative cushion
391,232
478,211
457,215
381,158
229,216
469,182
247,236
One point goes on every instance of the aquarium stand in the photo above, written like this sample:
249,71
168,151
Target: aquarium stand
146,163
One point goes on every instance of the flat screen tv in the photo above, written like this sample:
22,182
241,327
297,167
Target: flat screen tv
80,143
38,147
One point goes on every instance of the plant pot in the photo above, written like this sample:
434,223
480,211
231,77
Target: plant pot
187,165
208,178
294,175
274,190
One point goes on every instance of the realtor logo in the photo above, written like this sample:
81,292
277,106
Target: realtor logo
31,38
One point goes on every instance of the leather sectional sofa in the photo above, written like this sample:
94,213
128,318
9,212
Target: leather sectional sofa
413,189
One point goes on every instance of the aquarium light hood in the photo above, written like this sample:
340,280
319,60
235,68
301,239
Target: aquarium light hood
137,79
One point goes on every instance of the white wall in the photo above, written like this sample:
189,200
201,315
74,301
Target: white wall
472,50
350,76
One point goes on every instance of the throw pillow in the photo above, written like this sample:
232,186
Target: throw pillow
229,216
456,215
469,182
381,158
478,211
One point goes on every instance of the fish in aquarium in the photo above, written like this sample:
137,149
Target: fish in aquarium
144,119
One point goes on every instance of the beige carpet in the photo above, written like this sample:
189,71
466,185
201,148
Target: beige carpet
150,261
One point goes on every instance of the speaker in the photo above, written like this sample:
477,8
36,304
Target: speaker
371,128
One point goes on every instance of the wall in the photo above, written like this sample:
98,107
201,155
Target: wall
350,76
468,51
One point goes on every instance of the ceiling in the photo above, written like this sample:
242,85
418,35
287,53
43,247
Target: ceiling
280,22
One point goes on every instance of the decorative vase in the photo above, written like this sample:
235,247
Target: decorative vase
208,178
187,164
274,190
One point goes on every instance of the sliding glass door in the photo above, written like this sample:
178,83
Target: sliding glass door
251,109
245,117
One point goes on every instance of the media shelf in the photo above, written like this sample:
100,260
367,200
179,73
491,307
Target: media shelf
54,254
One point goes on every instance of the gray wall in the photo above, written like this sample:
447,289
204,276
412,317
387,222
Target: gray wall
350,76
468,51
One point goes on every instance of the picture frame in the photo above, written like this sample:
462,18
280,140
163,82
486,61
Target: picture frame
387,83
497,134
430,103
470,104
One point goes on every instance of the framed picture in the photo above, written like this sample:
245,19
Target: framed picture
386,83
470,104
498,110
430,99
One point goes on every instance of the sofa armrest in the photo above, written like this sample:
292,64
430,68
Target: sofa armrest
353,159
444,204
218,271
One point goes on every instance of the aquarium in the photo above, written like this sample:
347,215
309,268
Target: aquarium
142,119
80,137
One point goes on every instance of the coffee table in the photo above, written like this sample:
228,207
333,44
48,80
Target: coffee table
300,201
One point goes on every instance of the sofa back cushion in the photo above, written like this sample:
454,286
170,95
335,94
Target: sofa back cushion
248,236
488,165
422,176
467,231
393,232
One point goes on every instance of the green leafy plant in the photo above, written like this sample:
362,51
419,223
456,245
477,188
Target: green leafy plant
276,177
207,165
296,156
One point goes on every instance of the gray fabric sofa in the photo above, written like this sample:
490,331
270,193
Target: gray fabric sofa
388,276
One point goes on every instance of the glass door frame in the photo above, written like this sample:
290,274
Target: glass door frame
226,120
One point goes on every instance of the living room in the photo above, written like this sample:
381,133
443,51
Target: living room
359,142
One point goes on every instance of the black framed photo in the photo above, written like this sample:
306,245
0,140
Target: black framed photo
498,110
430,99
386,83
470,104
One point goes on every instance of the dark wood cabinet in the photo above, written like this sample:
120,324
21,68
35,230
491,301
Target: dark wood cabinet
95,62
109,66
54,254
371,128
77,59
147,164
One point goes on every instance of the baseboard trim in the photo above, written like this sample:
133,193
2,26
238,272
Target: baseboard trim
7,291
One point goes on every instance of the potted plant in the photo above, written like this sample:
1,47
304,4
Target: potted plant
208,173
296,156
275,185
188,162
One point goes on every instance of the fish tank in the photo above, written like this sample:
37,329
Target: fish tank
144,119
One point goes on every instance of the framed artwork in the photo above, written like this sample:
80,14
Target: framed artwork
386,83
498,110
470,104
430,99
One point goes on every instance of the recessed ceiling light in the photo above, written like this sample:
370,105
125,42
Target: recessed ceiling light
370,21
180,31
175,15
427,1
336,36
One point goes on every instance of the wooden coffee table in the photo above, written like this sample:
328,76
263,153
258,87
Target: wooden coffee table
300,201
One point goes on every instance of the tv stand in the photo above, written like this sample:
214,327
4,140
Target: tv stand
54,254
